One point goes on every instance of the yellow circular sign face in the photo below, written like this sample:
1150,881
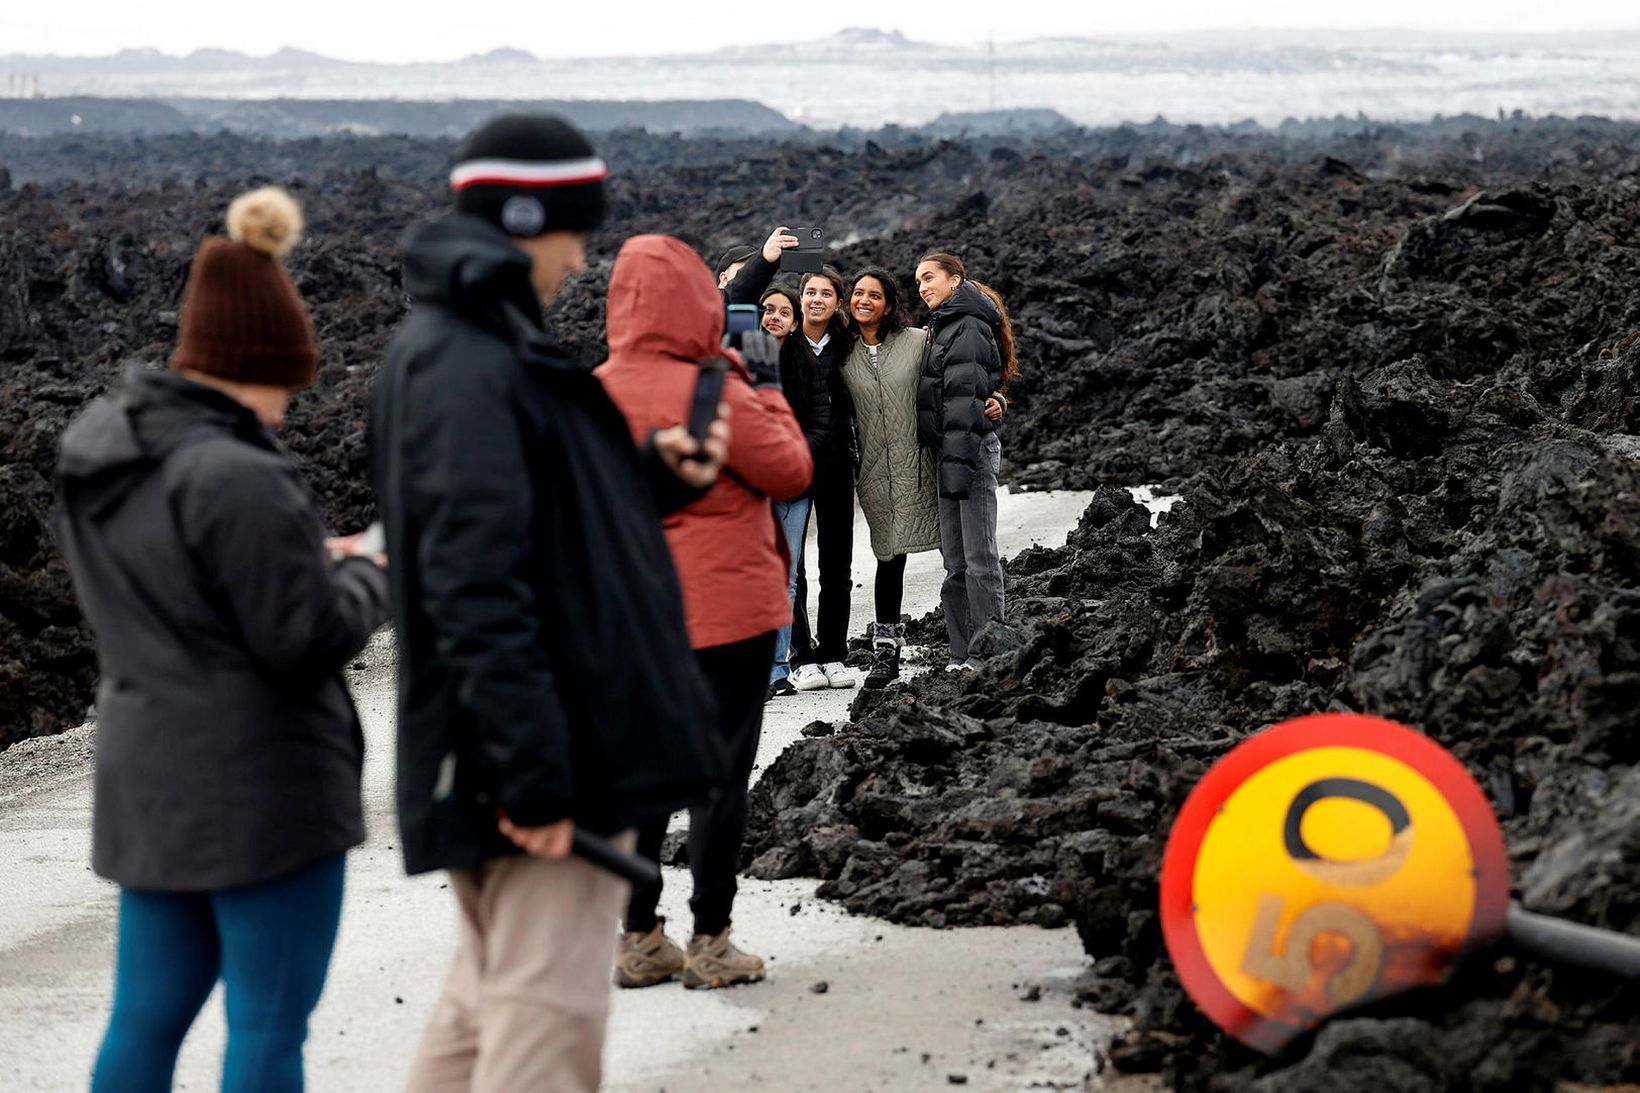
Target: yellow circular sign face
1321,864
1278,928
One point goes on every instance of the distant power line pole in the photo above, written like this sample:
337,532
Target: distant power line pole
992,52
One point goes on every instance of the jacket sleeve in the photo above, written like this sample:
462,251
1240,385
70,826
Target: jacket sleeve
767,450
468,479
255,531
971,367
749,284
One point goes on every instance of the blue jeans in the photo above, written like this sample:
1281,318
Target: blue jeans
794,521
269,943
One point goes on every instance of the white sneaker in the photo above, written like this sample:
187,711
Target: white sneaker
839,676
809,677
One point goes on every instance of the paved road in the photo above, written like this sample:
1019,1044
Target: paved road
896,995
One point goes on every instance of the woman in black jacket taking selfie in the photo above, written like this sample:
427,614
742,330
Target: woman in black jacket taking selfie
226,790
968,356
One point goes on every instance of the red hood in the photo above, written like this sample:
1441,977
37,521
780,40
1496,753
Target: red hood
662,300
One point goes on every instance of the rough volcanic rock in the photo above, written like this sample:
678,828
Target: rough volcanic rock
1393,372
1453,554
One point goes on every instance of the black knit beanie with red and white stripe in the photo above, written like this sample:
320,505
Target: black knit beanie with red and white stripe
530,174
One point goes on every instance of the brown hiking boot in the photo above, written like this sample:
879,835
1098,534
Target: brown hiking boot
647,959
713,962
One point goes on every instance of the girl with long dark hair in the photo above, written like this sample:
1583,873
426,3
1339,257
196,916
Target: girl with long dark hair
897,483
810,399
968,354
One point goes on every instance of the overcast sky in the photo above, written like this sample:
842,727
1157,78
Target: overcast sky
580,28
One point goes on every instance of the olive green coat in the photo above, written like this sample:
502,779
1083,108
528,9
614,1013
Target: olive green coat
899,482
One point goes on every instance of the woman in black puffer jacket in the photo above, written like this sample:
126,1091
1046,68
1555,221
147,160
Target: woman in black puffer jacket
967,362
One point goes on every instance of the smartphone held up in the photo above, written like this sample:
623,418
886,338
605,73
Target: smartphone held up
809,256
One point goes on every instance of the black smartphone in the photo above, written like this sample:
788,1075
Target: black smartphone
809,254
743,319
703,404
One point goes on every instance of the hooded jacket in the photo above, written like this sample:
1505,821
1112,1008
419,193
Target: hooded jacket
665,316
544,668
228,750
897,484
961,366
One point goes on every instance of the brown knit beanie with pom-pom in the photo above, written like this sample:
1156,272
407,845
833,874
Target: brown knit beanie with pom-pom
242,318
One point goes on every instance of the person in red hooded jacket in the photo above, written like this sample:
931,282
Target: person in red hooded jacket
665,316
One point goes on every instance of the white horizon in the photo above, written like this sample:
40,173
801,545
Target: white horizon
337,33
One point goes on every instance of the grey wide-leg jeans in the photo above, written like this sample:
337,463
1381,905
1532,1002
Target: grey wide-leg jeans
972,593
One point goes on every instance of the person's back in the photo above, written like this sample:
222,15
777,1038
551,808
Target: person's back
545,682
733,569
228,752
725,543
499,459
232,659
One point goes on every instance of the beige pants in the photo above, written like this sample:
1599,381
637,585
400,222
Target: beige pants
527,996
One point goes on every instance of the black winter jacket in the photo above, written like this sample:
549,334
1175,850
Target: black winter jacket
807,391
962,366
228,751
544,667
839,451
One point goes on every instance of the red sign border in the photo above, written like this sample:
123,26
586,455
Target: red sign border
1324,730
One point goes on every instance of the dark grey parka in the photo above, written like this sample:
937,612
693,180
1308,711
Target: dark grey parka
961,367
228,750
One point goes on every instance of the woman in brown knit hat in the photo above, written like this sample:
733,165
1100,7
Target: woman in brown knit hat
228,749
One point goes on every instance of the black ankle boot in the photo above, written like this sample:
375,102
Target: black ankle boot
886,639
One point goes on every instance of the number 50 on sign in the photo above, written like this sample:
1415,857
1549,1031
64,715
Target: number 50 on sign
1324,863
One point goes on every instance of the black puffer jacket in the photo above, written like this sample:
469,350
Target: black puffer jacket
839,451
544,667
228,751
807,392
961,367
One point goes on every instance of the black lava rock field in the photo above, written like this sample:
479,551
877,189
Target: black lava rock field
1392,372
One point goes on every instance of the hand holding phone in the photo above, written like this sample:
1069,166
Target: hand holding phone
370,543
779,240
810,253
703,403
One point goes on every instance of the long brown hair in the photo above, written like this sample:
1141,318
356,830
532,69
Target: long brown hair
953,267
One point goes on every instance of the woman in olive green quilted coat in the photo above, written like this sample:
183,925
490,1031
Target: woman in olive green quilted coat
898,486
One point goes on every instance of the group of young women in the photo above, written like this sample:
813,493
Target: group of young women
907,417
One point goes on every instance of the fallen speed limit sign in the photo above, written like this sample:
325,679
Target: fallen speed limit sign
1324,863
